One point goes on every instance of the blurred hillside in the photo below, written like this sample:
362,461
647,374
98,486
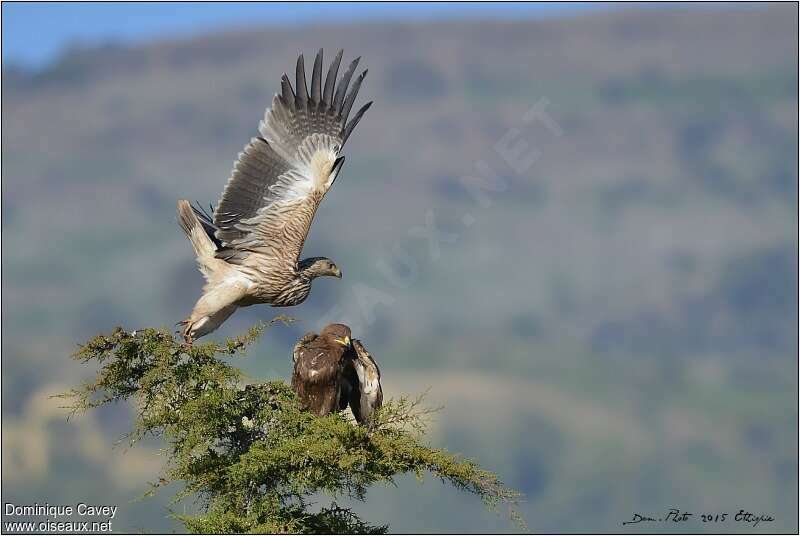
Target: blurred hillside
614,329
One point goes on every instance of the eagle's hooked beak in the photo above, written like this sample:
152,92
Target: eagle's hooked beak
344,342
337,273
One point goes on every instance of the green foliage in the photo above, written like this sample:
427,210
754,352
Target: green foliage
247,452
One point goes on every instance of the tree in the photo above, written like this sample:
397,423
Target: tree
248,453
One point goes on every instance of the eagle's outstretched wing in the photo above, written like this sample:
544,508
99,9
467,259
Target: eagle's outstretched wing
364,377
281,176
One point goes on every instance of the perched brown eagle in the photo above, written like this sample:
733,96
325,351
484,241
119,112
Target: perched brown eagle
249,249
332,371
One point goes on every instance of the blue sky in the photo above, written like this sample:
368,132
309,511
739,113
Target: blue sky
36,33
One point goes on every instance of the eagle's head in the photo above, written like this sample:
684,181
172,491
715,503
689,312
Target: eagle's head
338,333
318,267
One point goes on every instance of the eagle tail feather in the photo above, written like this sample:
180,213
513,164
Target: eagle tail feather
195,231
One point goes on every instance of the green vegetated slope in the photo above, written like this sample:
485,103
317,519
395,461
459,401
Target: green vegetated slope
612,328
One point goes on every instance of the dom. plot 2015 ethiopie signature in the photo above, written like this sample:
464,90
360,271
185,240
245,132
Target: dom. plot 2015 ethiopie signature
676,515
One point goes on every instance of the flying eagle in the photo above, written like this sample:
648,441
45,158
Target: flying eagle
332,371
249,249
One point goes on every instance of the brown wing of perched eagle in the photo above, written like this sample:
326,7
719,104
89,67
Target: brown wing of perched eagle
319,363
331,371
249,249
